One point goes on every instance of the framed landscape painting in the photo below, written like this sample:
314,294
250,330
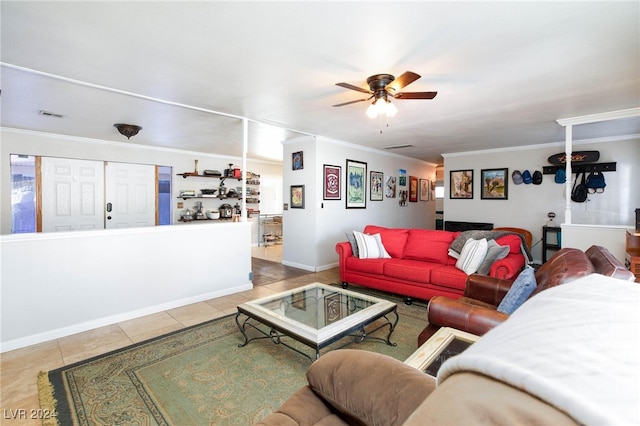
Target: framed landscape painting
356,193
495,184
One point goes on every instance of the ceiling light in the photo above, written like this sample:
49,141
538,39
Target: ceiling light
381,106
127,130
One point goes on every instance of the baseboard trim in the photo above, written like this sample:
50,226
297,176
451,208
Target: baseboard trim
114,319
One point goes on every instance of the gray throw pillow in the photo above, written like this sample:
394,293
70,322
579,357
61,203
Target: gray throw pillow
352,241
494,252
519,292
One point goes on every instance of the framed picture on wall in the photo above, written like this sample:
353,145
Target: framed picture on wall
297,196
356,193
495,184
413,189
402,177
376,184
332,177
390,187
461,184
403,195
425,189
297,162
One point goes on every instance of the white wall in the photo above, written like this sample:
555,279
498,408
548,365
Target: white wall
614,238
311,234
527,205
57,284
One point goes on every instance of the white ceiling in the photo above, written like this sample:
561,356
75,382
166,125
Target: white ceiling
504,71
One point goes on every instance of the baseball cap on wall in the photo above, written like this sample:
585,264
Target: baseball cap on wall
537,177
526,177
516,176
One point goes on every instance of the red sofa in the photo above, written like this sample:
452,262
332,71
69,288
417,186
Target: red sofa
420,265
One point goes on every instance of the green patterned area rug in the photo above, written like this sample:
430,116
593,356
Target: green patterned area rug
198,376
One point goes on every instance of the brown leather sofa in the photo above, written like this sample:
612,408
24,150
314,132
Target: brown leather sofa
356,387
476,312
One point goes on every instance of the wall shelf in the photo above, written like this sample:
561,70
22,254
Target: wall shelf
269,229
222,178
187,197
581,168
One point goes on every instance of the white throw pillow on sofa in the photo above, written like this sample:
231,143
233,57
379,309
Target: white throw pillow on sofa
370,246
472,255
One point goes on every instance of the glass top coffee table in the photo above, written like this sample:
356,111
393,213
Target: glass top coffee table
316,315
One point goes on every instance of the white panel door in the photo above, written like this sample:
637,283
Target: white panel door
130,199
72,194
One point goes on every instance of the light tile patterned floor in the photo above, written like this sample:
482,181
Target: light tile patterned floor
19,368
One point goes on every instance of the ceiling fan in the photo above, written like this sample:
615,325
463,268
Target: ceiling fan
382,87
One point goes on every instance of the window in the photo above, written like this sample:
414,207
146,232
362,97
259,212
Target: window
164,195
439,189
23,194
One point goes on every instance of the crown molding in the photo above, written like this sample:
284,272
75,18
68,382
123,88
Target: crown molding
595,118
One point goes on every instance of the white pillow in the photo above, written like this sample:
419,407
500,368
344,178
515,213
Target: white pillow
370,246
454,254
472,255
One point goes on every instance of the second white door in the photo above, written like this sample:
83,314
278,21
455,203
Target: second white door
130,196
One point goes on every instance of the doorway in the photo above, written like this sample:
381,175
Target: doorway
88,194
130,195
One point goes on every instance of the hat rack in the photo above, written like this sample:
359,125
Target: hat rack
581,168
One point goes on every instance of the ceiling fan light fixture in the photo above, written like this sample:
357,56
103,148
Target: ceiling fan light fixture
391,109
372,111
127,130
381,106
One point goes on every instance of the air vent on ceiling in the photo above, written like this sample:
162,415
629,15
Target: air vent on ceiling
49,114
398,146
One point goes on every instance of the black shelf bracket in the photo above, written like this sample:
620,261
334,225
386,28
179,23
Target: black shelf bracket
581,168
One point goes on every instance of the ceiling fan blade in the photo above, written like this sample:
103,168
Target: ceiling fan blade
402,81
351,102
415,95
352,87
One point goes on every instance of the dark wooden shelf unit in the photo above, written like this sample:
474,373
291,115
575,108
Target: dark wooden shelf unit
553,244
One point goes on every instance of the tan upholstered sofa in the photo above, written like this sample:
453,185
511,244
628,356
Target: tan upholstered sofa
544,366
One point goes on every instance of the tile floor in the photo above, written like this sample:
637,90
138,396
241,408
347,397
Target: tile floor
19,368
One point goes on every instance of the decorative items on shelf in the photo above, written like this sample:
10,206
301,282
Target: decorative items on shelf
252,178
233,172
550,219
222,191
